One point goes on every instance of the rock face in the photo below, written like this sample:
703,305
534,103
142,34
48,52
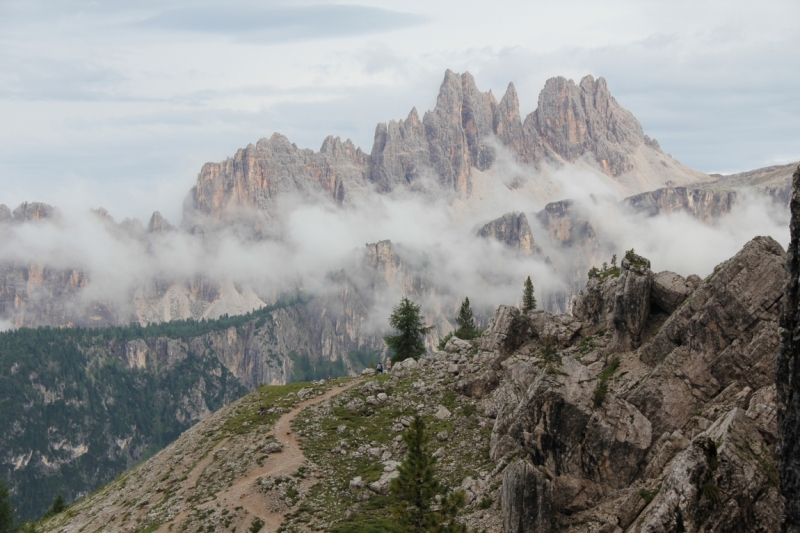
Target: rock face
158,224
788,374
669,290
572,121
527,499
513,230
702,204
644,423
632,301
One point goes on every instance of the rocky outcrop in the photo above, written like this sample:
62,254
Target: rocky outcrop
527,498
675,434
507,330
158,224
31,211
788,374
513,230
669,290
632,301
725,333
702,204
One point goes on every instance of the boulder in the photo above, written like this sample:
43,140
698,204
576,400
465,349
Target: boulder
381,486
669,290
526,499
272,447
455,345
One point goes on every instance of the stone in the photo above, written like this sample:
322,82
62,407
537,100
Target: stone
381,486
371,400
526,500
443,436
368,372
356,483
456,345
356,404
442,413
272,447
669,290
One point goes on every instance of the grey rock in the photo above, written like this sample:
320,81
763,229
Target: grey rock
669,290
632,302
442,413
526,500
724,334
381,486
507,330
158,224
513,230
703,204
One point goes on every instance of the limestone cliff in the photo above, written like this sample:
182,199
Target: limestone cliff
437,152
513,230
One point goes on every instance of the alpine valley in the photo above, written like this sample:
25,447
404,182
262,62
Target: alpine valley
171,375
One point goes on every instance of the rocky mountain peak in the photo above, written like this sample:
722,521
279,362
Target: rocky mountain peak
513,230
31,211
158,224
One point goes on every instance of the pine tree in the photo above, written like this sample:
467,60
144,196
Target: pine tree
466,324
6,510
528,299
58,506
415,489
408,322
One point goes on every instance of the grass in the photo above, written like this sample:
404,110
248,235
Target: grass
649,495
331,504
601,389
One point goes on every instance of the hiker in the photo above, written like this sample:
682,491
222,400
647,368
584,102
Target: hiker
388,364
379,368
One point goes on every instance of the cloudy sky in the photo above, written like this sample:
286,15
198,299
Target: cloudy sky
120,103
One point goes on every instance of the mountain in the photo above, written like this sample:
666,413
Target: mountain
440,153
651,408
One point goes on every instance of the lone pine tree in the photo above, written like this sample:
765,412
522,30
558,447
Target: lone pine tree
528,299
466,323
415,489
407,319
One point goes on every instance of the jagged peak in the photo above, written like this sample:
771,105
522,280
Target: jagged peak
158,224
510,100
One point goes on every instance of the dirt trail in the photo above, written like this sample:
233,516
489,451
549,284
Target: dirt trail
244,492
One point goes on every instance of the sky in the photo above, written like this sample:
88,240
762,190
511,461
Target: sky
118,104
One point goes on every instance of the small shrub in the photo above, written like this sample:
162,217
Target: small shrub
485,503
711,491
649,495
256,526
601,389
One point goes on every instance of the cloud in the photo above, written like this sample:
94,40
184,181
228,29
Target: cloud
274,24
